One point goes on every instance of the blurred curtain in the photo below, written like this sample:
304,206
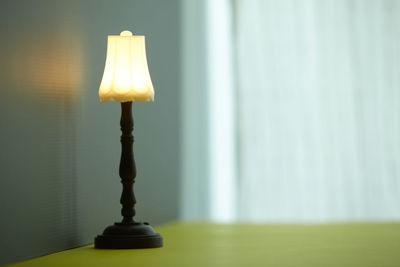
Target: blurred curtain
318,109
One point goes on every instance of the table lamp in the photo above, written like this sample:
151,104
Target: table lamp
126,78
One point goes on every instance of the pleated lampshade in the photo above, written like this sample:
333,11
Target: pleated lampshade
126,75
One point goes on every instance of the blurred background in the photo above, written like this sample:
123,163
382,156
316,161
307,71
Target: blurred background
266,111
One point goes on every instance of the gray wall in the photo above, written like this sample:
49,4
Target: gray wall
60,147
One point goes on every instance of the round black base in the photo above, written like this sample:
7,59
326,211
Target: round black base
128,236
128,242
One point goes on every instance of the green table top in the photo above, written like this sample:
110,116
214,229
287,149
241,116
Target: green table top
202,244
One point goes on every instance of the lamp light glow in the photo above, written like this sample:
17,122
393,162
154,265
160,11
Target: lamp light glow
126,75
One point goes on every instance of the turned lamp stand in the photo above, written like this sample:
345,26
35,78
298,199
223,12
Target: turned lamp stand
128,233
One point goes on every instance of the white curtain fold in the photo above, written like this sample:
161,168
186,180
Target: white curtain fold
318,108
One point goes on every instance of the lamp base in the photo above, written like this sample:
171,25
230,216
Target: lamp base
128,236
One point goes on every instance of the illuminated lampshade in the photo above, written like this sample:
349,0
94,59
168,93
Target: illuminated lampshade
126,75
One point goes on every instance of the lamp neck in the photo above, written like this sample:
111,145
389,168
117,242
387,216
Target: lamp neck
127,168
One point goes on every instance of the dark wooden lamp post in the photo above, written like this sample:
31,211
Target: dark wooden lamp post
126,78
